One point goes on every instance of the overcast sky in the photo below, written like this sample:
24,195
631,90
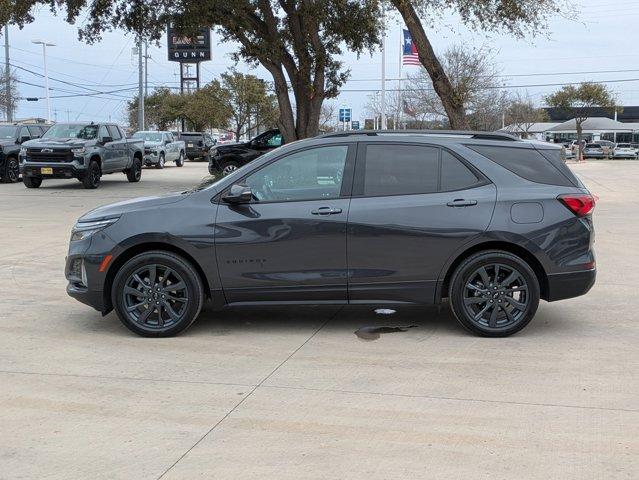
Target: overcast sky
602,39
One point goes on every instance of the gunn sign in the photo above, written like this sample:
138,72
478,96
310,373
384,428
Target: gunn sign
189,49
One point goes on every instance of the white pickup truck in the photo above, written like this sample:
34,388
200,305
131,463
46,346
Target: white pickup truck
161,147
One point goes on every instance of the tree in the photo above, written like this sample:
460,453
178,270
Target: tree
579,101
473,75
328,117
250,104
522,114
296,41
517,17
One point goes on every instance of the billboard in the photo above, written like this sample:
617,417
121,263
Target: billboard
187,49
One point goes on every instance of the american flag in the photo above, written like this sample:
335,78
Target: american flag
409,53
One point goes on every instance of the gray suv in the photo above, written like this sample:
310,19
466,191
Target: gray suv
490,222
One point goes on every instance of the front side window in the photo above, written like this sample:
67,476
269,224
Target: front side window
275,140
400,169
115,132
104,132
311,174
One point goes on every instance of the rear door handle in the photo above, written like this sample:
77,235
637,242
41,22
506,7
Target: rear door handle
460,202
326,211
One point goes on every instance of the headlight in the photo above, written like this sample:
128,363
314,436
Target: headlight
23,150
78,151
83,230
213,151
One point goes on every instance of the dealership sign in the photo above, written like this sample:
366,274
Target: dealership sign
183,48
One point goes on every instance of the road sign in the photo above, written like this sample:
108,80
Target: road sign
355,125
345,114
187,49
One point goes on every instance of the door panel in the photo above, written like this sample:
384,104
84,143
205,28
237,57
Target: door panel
289,244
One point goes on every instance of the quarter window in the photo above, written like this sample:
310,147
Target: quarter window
400,169
455,175
311,174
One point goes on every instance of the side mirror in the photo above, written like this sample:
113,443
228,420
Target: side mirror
107,139
166,142
238,194
24,139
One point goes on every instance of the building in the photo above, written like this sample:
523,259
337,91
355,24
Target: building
624,114
533,131
595,128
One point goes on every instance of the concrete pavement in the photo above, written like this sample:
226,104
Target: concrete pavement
293,393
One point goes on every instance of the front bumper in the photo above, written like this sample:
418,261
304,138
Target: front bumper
60,170
570,285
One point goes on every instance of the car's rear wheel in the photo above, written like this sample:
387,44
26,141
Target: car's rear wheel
157,294
91,178
180,161
31,182
494,293
134,174
12,171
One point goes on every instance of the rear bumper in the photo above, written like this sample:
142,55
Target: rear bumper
569,285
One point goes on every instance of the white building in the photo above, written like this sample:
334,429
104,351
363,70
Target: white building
533,131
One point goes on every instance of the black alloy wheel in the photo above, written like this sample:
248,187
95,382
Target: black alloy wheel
91,178
12,171
134,174
157,294
180,161
494,293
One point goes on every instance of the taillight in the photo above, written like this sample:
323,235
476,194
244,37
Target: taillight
581,204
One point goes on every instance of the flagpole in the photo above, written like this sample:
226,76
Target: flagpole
383,69
400,105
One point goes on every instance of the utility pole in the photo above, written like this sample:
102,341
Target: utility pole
383,70
46,75
7,71
140,85
146,69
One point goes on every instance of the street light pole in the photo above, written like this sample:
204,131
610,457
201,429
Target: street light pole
140,85
46,75
7,72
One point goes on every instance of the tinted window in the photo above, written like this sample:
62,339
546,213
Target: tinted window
311,174
24,132
555,156
455,175
527,163
593,145
400,169
35,131
115,132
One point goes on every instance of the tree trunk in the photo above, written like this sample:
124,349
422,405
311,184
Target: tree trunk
453,106
580,146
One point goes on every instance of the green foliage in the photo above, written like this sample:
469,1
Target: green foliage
577,101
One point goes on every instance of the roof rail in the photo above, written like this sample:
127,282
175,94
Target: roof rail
434,133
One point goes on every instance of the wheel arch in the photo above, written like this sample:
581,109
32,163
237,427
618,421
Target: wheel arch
134,250
509,247
96,158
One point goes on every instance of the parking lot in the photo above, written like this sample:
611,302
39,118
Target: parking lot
293,393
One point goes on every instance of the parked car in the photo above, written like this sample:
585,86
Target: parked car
228,158
607,147
594,150
488,221
161,147
198,145
624,150
12,135
84,151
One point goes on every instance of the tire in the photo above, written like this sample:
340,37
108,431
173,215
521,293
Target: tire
180,161
161,162
31,182
11,171
138,313
134,174
515,302
229,167
91,179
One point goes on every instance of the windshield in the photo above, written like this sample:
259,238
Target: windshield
593,145
148,136
7,132
79,130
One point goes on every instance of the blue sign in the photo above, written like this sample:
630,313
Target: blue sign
355,125
345,114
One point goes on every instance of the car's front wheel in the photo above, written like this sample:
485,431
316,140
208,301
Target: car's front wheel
229,167
31,182
494,293
157,294
12,171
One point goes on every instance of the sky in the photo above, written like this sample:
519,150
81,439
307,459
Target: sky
600,39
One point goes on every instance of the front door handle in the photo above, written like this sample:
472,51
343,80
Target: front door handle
460,202
326,211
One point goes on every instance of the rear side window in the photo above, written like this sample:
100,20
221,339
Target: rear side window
400,170
456,175
527,163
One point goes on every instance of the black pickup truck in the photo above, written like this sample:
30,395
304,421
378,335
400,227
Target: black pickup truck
84,151
12,135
